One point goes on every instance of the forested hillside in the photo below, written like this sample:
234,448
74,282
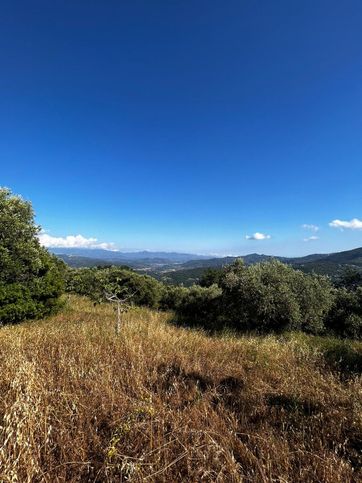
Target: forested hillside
175,271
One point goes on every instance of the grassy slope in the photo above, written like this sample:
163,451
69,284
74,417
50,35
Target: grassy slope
79,404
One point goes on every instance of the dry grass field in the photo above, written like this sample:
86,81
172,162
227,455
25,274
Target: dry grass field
164,404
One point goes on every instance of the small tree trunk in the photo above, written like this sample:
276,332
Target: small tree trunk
118,324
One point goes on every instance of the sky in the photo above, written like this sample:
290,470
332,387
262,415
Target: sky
211,127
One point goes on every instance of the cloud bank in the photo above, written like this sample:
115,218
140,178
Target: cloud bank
354,224
311,238
72,241
258,236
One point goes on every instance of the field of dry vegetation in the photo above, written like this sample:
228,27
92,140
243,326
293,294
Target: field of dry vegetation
161,403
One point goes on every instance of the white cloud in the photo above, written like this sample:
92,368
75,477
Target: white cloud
72,241
354,224
311,238
308,226
258,236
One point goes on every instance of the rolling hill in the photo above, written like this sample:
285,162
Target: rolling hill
177,268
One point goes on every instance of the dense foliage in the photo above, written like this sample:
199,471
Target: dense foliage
30,278
96,283
345,317
265,297
350,278
271,296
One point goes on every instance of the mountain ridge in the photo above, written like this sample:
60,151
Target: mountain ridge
110,255
173,267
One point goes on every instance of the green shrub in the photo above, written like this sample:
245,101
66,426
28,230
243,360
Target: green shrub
172,297
265,297
96,282
273,297
259,297
210,277
16,303
345,316
199,305
350,278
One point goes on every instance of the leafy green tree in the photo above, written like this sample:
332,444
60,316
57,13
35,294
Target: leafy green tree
350,278
259,297
345,316
264,297
96,283
210,277
200,305
172,297
315,296
272,296
31,280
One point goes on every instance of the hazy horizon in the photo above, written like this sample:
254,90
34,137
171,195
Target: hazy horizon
59,249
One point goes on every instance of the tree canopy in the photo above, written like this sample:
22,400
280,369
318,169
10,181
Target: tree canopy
30,278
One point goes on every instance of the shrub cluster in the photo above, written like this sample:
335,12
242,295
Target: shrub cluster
271,297
345,316
30,278
265,297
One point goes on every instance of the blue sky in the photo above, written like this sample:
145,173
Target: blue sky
185,125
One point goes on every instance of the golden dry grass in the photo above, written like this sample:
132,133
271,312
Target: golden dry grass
164,404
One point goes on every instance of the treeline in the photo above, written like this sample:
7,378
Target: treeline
264,297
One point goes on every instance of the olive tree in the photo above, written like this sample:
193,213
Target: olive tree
272,296
264,297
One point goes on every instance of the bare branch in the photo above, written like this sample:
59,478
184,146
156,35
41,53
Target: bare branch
122,306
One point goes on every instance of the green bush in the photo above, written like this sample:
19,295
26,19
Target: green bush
210,277
345,316
199,305
31,280
273,297
16,303
350,278
172,297
265,297
97,282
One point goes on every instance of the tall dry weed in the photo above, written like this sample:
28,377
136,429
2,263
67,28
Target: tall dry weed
160,403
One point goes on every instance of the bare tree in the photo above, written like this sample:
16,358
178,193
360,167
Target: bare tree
122,303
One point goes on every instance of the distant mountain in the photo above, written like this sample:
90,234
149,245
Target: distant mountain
324,264
185,268
310,258
352,257
220,262
76,261
115,256
331,264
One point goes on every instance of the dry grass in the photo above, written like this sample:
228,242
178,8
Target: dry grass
160,403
